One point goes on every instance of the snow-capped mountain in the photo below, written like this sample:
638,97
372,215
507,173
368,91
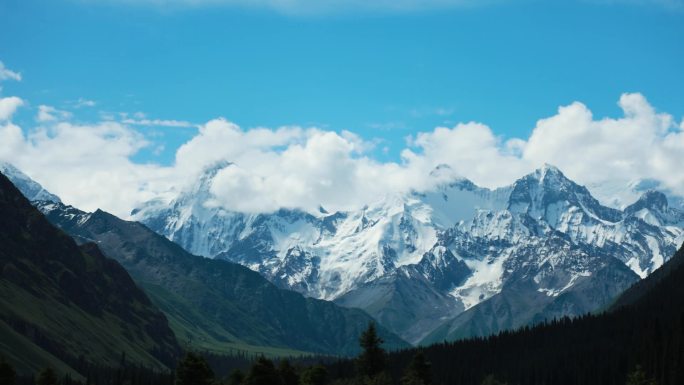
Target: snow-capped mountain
323,255
416,261
453,261
621,195
30,188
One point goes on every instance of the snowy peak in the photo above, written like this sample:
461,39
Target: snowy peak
31,189
206,178
455,241
653,208
444,173
547,192
549,172
446,178
651,200
210,171
548,179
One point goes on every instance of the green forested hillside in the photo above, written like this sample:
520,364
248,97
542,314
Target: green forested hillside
60,303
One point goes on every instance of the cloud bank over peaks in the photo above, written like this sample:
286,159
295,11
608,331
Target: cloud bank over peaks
92,165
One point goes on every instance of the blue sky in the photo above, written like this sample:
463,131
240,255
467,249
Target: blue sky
118,99
379,73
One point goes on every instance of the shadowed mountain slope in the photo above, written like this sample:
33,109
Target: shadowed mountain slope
60,302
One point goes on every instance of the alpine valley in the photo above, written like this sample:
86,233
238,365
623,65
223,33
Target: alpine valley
189,302
451,262
454,261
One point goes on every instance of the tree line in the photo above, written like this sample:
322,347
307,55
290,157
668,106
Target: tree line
373,366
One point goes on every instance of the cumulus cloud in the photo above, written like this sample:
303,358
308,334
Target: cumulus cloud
8,106
641,144
92,166
7,74
89,165
471,149
315,164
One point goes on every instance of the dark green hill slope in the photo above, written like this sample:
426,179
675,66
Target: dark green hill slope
59,301
642,290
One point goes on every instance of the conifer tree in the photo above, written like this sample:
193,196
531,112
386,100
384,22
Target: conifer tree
315,375
47,376
639,377
491,380
288,374
194,370
236,377
418,371
7,373
372,359
263,372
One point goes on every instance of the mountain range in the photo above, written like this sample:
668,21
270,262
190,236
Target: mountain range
638,340
211,305
452,261
63,302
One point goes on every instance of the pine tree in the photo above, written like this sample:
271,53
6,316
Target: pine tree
372,359
288,374
236,377
418,371
263,372
491,380
315,375
7,373
194,370
638,377
47,376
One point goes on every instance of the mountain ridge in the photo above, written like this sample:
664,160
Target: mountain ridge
346,256
418,261
230,303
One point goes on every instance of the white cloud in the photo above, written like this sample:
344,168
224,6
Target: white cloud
50,114
641,144
8,106
82,102
158,122
317,164
471,149
7,74
91,166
